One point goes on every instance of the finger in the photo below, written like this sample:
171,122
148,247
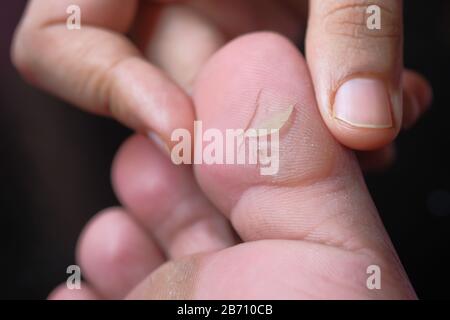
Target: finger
377,160
236,17
96,67
167,201
203,27
356,68
115,253
417,97
164,40
62,292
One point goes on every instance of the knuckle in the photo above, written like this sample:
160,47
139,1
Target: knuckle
352,18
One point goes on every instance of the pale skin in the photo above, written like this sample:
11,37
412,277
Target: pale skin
311,231
220,232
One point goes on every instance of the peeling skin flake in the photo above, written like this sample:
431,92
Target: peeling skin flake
276,122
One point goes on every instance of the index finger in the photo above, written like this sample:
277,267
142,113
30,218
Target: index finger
96,67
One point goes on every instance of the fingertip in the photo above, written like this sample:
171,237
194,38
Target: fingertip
145,99
417,84
364,114
417,97
377,160
356,71
362,139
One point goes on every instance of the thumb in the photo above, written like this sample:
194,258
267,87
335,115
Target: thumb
354,51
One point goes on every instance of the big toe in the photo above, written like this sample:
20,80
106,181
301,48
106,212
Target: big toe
309,226
261,81
304,186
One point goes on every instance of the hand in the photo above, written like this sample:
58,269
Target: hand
100,70
310,231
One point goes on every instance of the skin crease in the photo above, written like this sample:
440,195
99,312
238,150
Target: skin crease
313,237
175,280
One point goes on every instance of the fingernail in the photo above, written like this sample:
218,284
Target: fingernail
159,143
363,103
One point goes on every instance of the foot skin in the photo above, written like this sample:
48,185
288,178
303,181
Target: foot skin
310,231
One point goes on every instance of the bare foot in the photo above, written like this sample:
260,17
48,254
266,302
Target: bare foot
310,231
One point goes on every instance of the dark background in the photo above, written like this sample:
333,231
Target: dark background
55,163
